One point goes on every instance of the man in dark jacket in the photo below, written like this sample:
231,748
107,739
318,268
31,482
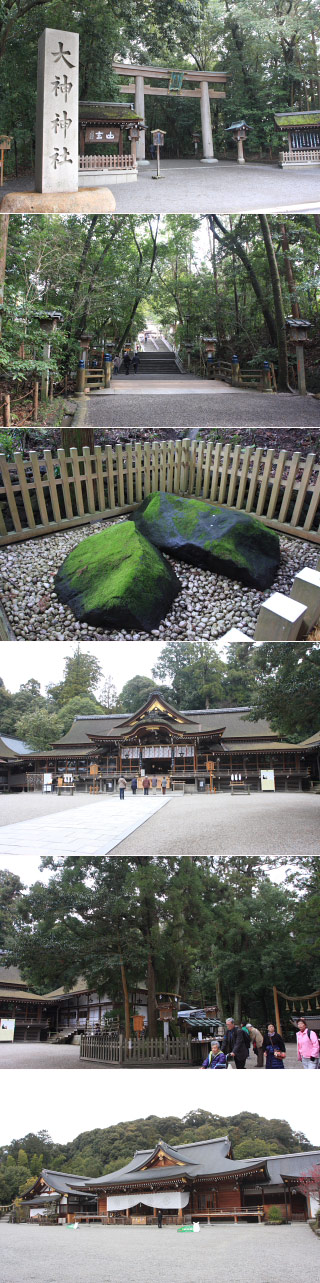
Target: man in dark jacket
234,1044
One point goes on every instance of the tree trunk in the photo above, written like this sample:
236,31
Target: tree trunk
152,1015
219,998
126,999
237,1007
295,310
283,371
4,228
77,437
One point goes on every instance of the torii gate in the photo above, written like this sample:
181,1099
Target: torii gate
176,86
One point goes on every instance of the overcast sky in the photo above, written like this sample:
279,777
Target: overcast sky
65,1104
45,662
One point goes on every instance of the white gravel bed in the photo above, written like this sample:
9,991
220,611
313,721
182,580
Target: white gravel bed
207,605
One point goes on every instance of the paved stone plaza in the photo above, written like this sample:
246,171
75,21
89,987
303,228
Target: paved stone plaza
35,1055
204,408
188,187
225,1253
271,823
93,828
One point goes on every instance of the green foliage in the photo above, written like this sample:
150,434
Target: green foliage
82,673
287,688
274,1215
39,729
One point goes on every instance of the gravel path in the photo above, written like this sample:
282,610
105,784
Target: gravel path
228,410
207,605
44,1055
188,187
108,1254
271,823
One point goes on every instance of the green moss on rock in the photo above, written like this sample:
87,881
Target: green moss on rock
204,534
117,579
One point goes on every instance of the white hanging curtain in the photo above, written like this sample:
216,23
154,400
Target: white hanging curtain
164,1198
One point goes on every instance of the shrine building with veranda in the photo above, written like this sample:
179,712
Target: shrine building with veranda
196,750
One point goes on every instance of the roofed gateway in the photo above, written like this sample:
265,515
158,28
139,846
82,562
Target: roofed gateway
194,1181
197,749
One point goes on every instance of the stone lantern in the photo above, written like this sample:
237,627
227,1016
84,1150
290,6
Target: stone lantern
48,322
297,333
209,346
83,361
188,348
196,139
239,130
134,135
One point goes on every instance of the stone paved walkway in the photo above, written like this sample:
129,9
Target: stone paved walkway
94,829
227,1253
188,187
202,408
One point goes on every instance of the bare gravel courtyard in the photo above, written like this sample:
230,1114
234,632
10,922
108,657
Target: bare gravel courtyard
140,1254
45,1055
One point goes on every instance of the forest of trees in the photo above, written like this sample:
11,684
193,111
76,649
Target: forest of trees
95,1153
278,682
235,277
205,927
270,52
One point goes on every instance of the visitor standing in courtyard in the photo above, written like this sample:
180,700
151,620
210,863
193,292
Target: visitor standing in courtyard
274,1048
234,1044
146,785
127,362
122,786
307,1046
164,785
159,1219
256,1037
216,1058
154,783
134,786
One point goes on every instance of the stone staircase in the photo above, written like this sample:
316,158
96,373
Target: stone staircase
155,365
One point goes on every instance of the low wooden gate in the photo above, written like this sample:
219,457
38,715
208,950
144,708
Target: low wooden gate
136,1051
39,497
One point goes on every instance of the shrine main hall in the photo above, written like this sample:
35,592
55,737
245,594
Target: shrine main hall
195,750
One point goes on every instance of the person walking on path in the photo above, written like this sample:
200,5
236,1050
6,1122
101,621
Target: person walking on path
127,362
116,364
134,786
216,1058
234,1044
274,1048
307,1046
164,785
159,1219
257,1042
146,785
135,363
122,786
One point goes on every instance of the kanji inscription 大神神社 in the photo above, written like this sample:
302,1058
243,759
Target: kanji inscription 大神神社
57,112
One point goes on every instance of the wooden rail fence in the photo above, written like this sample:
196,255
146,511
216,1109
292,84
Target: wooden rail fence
39,497
136,1051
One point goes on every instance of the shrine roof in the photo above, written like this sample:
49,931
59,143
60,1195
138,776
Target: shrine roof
10,747
233,720
195,1160
294,119
109,111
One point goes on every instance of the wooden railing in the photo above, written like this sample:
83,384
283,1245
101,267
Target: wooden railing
106,162
305,155
136,1051
39,497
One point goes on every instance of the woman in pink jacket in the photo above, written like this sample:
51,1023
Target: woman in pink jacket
307,1046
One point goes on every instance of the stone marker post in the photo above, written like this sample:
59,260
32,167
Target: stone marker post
56,168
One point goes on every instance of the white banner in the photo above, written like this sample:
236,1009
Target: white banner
164,1198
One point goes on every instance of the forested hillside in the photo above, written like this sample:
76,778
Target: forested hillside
95,1152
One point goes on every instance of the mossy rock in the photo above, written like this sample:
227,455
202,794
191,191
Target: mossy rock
216,538
117,579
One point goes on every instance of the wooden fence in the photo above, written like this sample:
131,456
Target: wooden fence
39,497
106,162
136,1051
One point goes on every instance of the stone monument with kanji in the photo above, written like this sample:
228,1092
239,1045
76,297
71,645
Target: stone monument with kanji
56,167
